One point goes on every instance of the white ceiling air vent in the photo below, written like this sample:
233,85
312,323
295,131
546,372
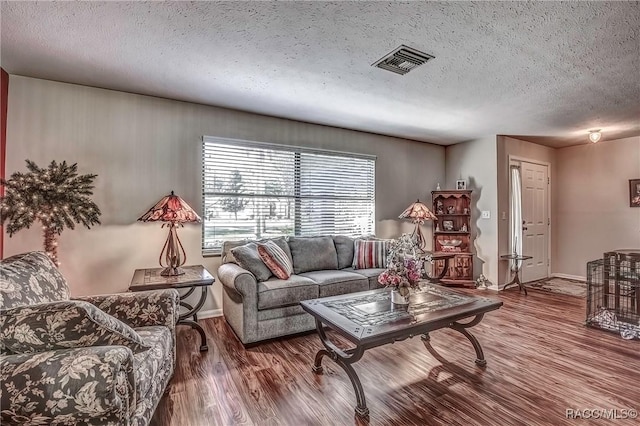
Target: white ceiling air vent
402,60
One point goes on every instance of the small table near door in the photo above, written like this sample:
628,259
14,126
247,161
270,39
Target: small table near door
193,277
518,258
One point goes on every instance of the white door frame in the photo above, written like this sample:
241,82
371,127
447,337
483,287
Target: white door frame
515,160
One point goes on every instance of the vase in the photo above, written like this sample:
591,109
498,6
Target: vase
399,299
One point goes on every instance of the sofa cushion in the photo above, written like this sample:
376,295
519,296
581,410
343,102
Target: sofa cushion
227,246
30,278
344,249
248,258
275,293
313,254
150,366
276,259
333,283
63,325
371,274
369,254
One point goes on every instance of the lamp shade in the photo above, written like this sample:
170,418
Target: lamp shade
418,212
171,208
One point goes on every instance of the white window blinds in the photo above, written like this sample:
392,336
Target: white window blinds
256,190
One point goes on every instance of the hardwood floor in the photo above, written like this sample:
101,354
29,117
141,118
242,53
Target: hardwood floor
541,360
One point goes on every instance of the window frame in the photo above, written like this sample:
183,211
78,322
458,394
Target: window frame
297,150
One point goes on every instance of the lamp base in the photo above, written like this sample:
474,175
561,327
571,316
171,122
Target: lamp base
172,271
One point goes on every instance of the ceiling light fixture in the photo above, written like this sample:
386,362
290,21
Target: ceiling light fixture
594,135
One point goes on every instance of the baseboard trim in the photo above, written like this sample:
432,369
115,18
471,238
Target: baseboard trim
211,313
569,277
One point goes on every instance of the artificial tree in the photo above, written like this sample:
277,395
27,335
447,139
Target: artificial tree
56,196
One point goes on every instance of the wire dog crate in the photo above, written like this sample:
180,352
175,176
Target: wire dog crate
613,293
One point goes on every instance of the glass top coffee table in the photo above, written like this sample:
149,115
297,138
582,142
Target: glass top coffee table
368,319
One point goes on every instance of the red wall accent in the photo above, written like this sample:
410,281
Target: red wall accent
4,99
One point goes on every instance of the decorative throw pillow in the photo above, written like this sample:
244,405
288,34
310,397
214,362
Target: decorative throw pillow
276,259
63,325
248,258
369,254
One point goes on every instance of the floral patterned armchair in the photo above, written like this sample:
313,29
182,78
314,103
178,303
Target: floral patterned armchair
93,360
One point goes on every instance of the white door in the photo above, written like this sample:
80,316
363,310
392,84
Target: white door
535,218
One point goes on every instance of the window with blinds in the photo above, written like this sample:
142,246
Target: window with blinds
256,190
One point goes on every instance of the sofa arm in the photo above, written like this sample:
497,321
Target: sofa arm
238,279
93,385
140,309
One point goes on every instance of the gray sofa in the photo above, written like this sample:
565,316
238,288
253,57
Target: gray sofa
96,360
260,310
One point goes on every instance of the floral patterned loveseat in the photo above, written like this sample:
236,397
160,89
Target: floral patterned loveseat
99,360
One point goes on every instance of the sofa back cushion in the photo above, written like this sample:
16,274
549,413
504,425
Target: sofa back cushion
344,249
370,254
313,254
30,278
64,325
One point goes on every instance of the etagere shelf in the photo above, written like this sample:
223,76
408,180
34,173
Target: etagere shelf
452,234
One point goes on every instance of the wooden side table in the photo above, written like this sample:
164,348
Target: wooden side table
194,276
516,273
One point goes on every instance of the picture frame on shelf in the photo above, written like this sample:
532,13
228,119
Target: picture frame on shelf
447,225
461,185
634,192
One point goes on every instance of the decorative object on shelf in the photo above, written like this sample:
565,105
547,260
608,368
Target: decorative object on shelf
451,243
595,135
438,187
56,196
404,267
175,212
453,237
634,192
461,185
418,213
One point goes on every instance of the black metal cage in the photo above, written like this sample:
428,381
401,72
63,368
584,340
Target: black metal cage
613,293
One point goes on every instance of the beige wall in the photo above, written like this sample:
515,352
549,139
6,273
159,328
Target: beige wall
143,147
475,161
515,148
592,208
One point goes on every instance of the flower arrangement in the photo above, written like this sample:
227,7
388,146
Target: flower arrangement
404,265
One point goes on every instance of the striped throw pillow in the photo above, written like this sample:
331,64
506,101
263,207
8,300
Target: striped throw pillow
276,259
369,254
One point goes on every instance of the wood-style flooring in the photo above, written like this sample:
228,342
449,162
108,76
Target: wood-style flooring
541,361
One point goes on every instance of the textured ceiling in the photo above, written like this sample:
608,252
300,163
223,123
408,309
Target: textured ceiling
545,71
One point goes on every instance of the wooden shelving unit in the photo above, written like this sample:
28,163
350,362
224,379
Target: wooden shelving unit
452,234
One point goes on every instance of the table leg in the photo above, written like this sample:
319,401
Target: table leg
344,359
516,280
441,275
461,328
182,320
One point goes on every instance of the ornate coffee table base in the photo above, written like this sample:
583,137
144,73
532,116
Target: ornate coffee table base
344,358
